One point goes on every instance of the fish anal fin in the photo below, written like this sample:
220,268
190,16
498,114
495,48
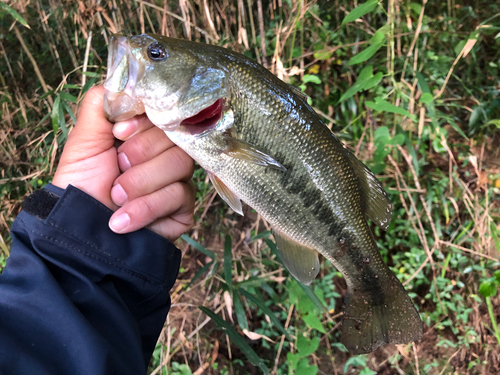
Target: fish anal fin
242,150
392,320
301,261
376,204
229,197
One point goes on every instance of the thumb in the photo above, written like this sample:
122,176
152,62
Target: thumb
92,134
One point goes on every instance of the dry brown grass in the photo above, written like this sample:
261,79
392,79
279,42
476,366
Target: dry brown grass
69,38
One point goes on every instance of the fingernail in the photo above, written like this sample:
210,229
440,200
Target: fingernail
123,161
118,195
119,223
125,129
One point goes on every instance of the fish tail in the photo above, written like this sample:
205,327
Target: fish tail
376,317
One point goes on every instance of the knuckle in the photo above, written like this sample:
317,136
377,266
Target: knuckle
179,160
186,196
148,208
139,148
133,181
93,94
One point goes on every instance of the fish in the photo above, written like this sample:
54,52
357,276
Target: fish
262,144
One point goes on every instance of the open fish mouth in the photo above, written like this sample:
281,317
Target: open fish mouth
165,107
204,120
124,71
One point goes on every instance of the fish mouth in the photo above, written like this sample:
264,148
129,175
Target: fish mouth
124,72
204,120
177,108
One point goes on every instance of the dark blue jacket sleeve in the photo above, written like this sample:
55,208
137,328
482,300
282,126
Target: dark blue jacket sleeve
76,298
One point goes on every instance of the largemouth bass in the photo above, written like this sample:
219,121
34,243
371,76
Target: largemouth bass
261,143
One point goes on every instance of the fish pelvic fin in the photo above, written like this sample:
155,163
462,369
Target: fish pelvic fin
229,197
391,319
376,203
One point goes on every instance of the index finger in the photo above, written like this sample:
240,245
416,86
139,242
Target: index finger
124,130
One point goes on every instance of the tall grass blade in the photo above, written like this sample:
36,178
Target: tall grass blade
198,246
14,14
266,310
237,339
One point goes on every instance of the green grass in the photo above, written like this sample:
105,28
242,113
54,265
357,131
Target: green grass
413,90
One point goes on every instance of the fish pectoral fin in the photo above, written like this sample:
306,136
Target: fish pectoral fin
377,206
245,151
301,261
299,92
229,197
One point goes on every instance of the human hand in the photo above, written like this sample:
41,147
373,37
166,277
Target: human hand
155,188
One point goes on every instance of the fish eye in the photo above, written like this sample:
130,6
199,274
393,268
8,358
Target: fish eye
157,52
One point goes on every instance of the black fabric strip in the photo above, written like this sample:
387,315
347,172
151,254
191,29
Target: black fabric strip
40,203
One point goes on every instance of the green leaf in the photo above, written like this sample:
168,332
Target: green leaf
376,43
198,246
426,98
457,128
367,371
313,321
364,76
68,109
68,97
180,369
266,310
381,135
304,368
355,361
477,115
199,273
488,288
360,11
62,120
71,86
55,115
307,290
458,48
264,234
305,346
311,78
416,8
274,249
228,258
88,85
90,74
14,14
497,277
237,339
325,55
46,94
384,106
240,312
293,360
495,122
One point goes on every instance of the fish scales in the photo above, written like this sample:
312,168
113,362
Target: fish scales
283,162
318,225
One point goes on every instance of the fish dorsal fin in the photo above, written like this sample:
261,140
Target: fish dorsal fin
242,150
376,204
298,92
301,261
229,197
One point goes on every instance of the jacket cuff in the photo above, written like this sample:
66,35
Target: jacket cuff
84,220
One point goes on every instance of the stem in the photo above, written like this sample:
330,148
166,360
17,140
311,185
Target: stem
35,65
493,319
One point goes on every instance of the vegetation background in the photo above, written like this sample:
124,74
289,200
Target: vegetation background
412,87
